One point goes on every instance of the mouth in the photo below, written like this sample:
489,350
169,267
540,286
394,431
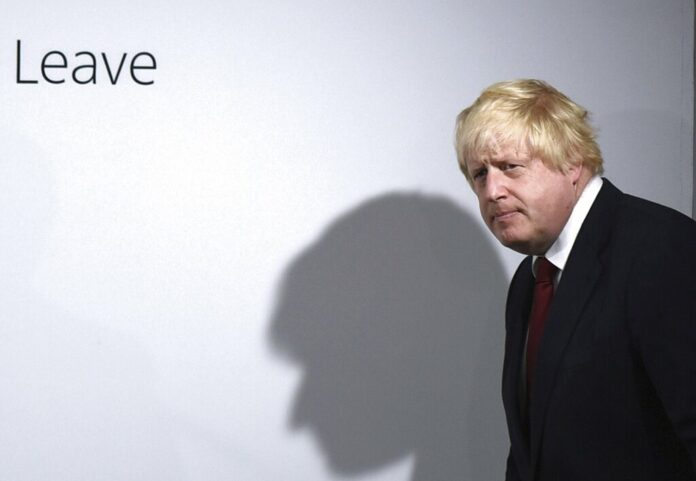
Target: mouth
504,215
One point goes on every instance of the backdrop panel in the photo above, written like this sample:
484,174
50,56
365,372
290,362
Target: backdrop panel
235,241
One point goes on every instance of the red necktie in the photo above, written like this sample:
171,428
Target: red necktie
543,293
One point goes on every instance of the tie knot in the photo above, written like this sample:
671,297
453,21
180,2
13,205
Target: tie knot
545,270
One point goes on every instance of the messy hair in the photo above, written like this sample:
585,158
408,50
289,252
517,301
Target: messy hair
532,115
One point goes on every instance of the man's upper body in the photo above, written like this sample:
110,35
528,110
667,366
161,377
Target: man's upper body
613,395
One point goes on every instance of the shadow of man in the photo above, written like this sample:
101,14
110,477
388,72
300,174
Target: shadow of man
395,315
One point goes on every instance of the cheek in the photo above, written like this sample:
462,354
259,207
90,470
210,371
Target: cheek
558,211
482,207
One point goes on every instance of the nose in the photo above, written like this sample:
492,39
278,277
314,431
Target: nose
495,185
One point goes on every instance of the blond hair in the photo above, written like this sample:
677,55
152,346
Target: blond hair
528,114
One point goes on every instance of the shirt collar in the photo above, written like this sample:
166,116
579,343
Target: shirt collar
559,251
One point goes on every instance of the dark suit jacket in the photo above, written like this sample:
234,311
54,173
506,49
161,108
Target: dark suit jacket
615,388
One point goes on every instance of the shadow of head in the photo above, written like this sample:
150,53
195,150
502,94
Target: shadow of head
392,314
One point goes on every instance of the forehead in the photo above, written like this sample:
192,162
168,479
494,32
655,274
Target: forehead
495,152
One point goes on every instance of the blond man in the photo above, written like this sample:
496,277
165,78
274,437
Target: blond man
599,376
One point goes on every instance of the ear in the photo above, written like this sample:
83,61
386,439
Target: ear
574,171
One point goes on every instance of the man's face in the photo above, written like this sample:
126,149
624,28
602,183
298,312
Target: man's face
524,203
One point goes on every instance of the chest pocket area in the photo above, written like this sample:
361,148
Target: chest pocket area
600,338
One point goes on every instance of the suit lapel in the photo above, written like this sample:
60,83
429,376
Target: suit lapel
517,312
579,278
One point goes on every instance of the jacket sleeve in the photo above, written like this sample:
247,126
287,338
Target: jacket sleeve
662,311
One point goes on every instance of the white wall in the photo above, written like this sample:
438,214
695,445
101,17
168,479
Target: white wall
266,265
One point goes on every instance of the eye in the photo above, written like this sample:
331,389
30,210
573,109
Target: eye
511,169
479,173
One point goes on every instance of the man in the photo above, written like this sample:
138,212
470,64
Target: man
599,376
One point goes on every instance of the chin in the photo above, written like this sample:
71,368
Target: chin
522,249
524,243
510,241
519,245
